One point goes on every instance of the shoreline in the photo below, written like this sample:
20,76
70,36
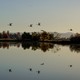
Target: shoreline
54,41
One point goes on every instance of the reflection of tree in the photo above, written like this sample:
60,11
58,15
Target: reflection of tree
39,45
26,45
7,44
75,47
56,48
4,45
18,45
36,45
46,46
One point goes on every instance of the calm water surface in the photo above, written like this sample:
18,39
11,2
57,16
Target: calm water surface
57,63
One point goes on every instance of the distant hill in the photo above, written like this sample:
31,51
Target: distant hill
63,35
66,35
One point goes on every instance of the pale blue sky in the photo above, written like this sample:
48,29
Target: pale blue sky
54,15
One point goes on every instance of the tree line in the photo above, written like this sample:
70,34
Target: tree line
37,36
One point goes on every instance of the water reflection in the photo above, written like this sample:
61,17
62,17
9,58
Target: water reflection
42,63
26,45
70,65
38,72
75,48
38,45
9,44
10,70
19,61
30,69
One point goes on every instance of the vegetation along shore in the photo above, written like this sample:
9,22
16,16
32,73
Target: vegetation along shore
43,36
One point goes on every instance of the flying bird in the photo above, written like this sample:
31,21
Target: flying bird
30,25
39,24
10,24
70,29
70,65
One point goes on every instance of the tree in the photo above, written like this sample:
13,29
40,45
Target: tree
0,36
75,38
26,36
43,36
46,36
4,35
35,36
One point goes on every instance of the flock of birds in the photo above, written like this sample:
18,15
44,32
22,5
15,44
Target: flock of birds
30,69
36,71
39,24
31,25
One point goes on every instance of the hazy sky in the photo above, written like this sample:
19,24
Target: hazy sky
54,15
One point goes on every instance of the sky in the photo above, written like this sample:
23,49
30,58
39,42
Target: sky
54,15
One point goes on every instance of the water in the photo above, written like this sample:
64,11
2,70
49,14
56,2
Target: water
39,61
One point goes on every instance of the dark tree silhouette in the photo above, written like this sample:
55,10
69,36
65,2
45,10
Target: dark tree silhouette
26,45
35,36
26,36
76,38
0,35
75,48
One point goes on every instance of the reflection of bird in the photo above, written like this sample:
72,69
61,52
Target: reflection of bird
70,65
30,69
10,70
42,63
10,24
38,72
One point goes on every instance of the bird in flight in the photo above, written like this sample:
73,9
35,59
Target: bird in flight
30,25
39,24
70,29
10,24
